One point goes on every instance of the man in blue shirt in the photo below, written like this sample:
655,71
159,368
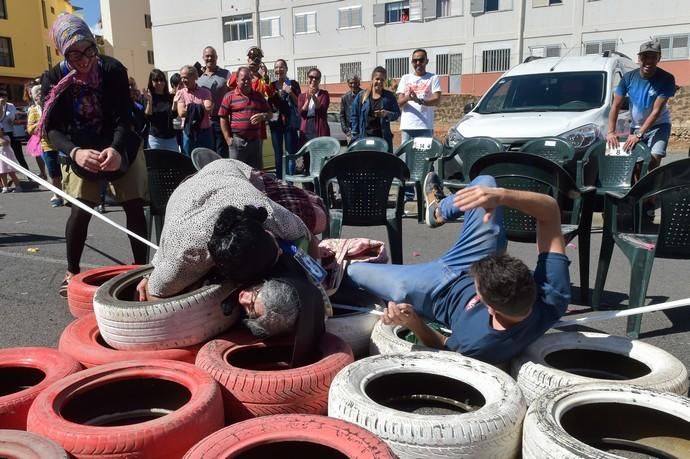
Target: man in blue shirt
648,90
491,301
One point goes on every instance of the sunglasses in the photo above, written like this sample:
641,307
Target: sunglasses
74,56
314,77
418,60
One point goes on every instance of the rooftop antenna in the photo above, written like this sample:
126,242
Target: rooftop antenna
562,57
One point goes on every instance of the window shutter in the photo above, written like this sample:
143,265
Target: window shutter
477,6
538,3
429,9
379,13
416,10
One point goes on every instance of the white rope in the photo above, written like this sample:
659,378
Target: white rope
74,201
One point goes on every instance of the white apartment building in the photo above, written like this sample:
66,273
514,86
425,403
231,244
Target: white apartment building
126,29
469,42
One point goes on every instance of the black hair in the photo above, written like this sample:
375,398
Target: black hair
157,74
506,284
175,79
241,248
314,69
421,50
281,60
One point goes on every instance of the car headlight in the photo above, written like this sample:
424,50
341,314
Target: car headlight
582,137
454,137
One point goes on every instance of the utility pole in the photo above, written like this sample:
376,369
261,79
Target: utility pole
257,23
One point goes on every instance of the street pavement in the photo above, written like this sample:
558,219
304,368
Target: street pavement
32,265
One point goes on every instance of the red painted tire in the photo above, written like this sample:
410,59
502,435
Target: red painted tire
24,373
17,444
255,378
83,286
292,435
146,409
82,340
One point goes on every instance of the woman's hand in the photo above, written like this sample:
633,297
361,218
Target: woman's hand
88,159
110,159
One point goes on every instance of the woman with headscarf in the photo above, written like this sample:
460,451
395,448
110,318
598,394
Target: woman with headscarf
49,155
88,118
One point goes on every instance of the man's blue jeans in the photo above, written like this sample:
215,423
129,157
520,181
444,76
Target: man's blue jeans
204,139
283,137
418,284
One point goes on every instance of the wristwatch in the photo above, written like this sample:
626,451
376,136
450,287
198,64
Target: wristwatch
638,134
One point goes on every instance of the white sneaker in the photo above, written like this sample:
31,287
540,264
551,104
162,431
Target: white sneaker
5,189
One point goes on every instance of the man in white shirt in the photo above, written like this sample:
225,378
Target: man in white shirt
418,94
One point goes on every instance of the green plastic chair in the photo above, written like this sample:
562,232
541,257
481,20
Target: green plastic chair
201,156
525,171
469,151
369,144
364,180
319,150
558,150
615,173
669,186
419,163
166,170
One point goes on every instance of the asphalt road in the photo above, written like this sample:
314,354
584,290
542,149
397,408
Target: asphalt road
32,265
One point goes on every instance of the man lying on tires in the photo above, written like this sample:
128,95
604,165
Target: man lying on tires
491,301
224,222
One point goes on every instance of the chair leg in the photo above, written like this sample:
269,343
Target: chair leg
394,229
335,225
640,272
583,240
605,253
420,201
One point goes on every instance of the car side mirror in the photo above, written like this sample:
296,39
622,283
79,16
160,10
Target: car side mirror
468,108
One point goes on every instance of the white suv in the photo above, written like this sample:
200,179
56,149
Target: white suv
568,97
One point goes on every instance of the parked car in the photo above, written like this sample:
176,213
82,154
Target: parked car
19,129
567,97
336,130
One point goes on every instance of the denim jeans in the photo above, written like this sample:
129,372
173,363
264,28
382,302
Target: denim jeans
160,143
420,284
204,138
219,145
286,138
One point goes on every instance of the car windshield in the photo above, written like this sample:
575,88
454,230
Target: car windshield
549,92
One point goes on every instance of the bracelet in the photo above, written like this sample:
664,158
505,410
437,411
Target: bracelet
71,153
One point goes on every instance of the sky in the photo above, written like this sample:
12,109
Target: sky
91,12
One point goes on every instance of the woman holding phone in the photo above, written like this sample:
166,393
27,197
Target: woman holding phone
374,109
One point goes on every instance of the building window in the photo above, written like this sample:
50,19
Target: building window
45,15
6,56
49,55
236,28
442,64
674,47
455,64
305,22
538,3
52,10
149,55
546,51
302,72
350,17
491,5
446,8
3,9
598,47
496,60
396,67
270,27
147,21
350,69
397,12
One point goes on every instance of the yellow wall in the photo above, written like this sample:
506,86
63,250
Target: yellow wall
24,25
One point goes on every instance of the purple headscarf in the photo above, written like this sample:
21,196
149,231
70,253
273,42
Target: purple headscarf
69,29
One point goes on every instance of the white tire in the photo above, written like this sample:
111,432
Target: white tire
386,339
352,327
26,445
180,321
601,421
370,392
568,358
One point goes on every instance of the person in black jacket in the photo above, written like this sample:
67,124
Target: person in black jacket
159,113
88,118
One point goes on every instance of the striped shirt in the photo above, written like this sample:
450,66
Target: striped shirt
238,110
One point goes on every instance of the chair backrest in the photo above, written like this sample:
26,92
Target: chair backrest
319,150
524,171
166,170
554,148
471,149
419,160
202,156
364,181
369,144
615,172
669,185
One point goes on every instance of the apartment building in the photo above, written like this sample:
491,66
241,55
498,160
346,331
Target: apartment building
126,32
25,47
469,42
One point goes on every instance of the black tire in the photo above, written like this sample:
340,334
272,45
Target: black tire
179,321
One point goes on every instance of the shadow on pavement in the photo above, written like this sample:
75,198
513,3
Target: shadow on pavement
15,239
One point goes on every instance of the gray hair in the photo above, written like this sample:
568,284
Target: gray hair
189,68
281,304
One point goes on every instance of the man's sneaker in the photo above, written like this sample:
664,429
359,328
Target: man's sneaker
433,194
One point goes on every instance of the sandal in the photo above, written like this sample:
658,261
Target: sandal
62,290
